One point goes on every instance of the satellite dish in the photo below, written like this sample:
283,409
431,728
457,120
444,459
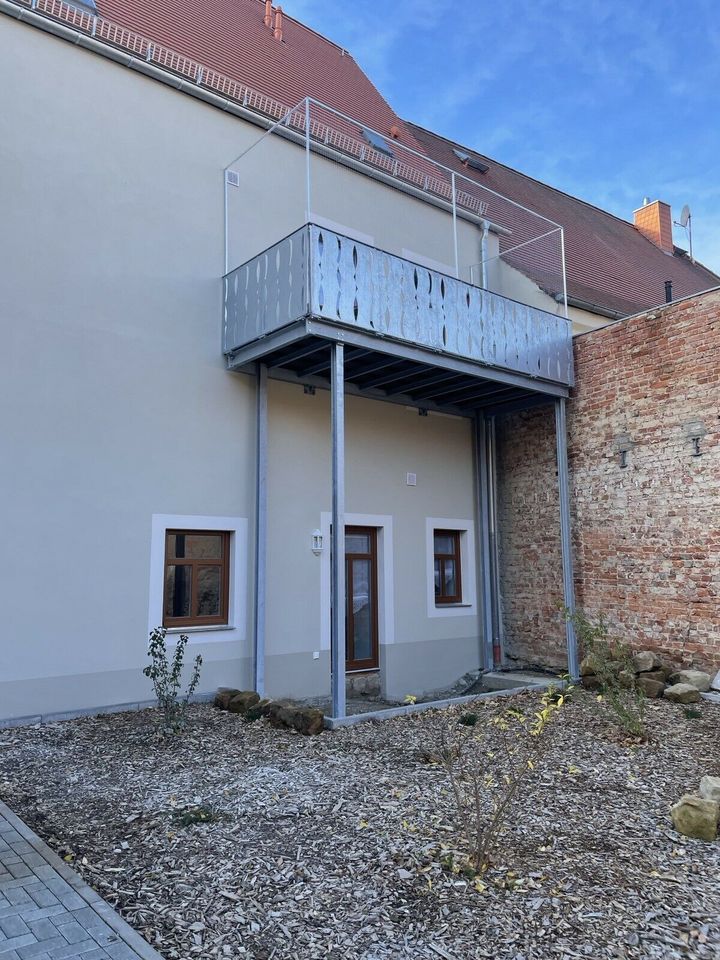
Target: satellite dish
686,222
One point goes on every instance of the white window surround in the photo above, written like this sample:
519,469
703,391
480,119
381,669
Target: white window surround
238,528
468,606
386,586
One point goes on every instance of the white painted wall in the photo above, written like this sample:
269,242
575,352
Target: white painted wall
384,442
115,405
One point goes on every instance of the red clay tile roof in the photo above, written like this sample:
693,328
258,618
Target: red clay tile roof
609,262
229,36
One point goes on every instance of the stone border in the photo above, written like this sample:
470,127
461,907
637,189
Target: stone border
42,718
130,937
335,723
331,723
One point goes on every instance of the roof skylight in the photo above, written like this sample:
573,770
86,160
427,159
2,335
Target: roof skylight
475,163
378,142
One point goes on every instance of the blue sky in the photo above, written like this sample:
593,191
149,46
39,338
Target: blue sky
609,101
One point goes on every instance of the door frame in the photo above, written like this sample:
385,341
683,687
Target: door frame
383,524
372,662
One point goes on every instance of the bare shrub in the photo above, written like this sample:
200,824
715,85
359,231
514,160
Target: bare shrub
487,763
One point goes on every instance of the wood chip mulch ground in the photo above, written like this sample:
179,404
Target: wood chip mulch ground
330,846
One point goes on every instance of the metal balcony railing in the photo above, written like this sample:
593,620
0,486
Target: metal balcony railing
317,273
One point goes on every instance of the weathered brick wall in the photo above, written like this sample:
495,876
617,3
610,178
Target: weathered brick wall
646,536
529,530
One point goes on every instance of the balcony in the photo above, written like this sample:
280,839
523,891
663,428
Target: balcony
286,305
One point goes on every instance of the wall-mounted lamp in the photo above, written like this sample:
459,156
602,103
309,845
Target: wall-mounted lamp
623,445
317,542
695,431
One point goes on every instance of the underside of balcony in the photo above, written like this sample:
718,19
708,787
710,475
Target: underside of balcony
301,353
411,335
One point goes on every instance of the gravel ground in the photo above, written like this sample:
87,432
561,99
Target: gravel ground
330,846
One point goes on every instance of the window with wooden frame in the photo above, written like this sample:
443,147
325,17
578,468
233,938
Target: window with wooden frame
448,584
197,578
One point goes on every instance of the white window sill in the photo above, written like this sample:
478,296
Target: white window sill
451,606
212,627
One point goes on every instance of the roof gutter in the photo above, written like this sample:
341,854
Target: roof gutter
587,305
80,39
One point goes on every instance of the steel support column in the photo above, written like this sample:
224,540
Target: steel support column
484,511
565,533
337,596
260,529
498,631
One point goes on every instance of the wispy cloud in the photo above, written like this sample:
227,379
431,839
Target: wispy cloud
609,100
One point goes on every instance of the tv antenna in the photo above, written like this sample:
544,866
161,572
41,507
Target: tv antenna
685,222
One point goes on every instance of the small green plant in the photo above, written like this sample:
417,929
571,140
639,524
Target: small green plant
486,767
611,662
566,689
468,719
166,676
193,815
692,714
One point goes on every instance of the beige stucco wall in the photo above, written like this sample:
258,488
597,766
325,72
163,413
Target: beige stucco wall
384,442
270,202
115,405
510,282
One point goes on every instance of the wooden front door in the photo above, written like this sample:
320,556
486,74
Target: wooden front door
361,593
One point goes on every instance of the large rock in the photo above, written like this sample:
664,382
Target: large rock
257,711
590,682
696,678
710,789
242,701
645,661
224,696
654,675
651,688
308,720
668,669
587,666
280,714
716,681
682,693
694,817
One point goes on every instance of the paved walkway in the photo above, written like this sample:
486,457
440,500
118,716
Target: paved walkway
47,912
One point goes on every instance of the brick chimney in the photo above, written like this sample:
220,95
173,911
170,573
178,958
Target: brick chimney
278,28
654,221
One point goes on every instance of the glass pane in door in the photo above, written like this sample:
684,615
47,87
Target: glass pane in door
362,619
444,543
357,543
